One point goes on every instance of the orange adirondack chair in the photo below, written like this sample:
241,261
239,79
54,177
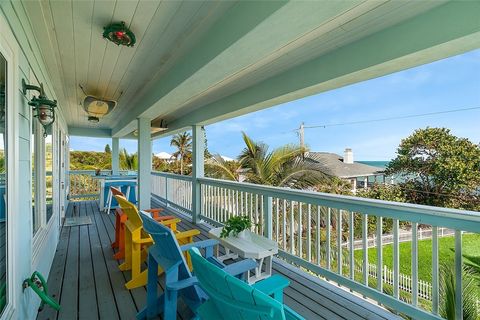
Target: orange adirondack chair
120,219
137,242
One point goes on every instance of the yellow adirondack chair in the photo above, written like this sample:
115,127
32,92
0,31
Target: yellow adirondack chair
137,241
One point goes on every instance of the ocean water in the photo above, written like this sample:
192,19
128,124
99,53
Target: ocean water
380,164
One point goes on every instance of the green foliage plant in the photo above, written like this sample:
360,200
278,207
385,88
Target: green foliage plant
284,166
448,293
235,225
183,143
439,169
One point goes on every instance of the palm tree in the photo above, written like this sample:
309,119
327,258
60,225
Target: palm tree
183,143
219,168
128,161
448,293
281,167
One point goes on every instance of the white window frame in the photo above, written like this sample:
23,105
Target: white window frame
43,231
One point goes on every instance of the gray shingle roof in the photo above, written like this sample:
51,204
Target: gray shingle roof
332,164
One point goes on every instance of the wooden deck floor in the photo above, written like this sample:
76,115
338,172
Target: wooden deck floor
85,279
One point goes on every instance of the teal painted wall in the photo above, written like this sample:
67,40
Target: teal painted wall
26,256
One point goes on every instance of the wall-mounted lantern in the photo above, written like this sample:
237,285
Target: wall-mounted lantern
43,108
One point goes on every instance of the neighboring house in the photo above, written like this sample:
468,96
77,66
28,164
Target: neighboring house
360,175
165,156
227,158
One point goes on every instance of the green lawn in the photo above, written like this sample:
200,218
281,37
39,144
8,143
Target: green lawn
470,247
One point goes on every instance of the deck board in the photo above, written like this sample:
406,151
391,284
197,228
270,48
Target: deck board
85,279
104,293
87,295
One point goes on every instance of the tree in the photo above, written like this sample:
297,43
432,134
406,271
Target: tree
218,168
438,169
387,192
107,149
159,164
89,160
335,185
281,167
128,161
448,293
206,153
183,143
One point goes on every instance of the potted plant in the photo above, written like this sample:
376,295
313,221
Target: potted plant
236,226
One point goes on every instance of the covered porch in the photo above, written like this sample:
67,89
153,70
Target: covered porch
329,278
195,63
85,278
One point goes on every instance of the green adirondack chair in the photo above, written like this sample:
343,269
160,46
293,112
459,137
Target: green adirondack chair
233,299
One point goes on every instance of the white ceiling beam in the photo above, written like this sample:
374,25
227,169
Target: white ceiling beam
90,132
249,35
444,31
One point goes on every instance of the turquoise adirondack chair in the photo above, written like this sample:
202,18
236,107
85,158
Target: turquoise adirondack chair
179,282
233,299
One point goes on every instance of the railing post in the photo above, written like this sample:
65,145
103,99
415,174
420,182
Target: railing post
166,191
198,149
267,217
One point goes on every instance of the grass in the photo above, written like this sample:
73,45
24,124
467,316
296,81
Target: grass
470,247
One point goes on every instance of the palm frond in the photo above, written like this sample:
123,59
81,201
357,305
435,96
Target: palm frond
448,293
219,168
283,166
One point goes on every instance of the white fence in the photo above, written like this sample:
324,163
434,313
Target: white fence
403,236
404,281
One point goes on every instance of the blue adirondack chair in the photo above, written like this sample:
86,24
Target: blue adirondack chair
179,282
233,299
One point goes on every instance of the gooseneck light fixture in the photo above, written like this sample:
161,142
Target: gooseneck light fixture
43,108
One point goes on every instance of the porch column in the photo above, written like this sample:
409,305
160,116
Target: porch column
115,155
198,149
144,163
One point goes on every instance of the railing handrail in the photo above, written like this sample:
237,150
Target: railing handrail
172,175
92,171
437,216
294,219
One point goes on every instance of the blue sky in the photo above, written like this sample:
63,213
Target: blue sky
448,84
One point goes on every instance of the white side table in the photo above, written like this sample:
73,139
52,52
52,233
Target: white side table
251,246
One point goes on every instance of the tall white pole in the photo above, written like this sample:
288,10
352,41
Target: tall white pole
302,135
144,163
115,155
198,150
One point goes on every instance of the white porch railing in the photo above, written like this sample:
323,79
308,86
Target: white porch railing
304,224
82,185
173,190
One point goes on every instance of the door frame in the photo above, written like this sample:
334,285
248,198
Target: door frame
9,50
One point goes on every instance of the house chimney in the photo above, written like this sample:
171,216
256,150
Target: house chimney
348,156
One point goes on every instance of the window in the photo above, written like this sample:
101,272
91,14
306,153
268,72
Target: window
36,210
42,175
49,173
3,182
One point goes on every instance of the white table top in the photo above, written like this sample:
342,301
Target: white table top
252,246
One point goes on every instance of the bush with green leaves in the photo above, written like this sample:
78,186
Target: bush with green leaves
438,169
235,225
